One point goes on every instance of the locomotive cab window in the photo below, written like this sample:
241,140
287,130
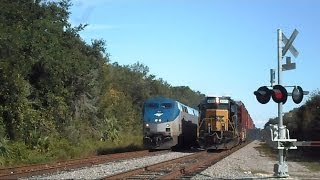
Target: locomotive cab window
233,109
153,105
216,106
166,105
184,109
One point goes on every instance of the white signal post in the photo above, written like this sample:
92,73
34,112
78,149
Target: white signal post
281,168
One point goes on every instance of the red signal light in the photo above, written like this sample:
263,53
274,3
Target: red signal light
279,94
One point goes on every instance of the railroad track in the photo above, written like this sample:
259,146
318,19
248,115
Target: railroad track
31,170
183,167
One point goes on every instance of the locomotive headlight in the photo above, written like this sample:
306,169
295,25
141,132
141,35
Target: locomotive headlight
147,125
157,120
168,125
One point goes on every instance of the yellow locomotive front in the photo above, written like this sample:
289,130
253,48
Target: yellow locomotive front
217,123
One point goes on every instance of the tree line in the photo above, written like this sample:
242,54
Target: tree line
303,122
58,91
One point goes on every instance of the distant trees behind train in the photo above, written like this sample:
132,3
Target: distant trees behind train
58,91
303,122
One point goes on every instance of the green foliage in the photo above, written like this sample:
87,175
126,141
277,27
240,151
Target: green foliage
58,93
62,149
35,141
17,154
4,147
21,154
112,130
187,96
13,101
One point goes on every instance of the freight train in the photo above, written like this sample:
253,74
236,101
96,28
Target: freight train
223,123
220,123
169,124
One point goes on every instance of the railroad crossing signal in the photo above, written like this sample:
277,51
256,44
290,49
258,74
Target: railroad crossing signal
281,168
279,94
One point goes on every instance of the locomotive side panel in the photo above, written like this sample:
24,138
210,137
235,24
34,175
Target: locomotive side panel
189,124
247,123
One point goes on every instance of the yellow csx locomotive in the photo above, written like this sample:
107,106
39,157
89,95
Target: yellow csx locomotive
223,123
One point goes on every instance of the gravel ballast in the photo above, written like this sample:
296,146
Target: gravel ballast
248,163
102,170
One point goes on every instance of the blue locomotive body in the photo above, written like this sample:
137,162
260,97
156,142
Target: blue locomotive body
168,123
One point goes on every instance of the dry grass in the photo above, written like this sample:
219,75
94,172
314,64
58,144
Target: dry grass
310,160
308,157
265,150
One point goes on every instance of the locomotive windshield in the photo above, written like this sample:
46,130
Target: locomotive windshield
216,103
166,105
216,106
152,105
156,105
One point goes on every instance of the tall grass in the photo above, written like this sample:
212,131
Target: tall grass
61,149
126,143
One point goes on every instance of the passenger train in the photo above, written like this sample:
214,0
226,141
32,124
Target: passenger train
169,124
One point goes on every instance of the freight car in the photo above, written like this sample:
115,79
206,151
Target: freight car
223,123
168,123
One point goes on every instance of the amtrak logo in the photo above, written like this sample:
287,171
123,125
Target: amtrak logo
158,114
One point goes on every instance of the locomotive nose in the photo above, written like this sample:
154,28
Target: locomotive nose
158,114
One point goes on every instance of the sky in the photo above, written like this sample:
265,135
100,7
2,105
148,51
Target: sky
217,47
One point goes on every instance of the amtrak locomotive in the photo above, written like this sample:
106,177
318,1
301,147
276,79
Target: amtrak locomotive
169,124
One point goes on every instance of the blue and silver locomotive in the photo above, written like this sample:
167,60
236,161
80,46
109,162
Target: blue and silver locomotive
169,124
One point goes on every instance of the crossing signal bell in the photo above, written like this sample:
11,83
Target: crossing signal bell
278,93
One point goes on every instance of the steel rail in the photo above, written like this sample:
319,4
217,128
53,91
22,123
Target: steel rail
38,169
